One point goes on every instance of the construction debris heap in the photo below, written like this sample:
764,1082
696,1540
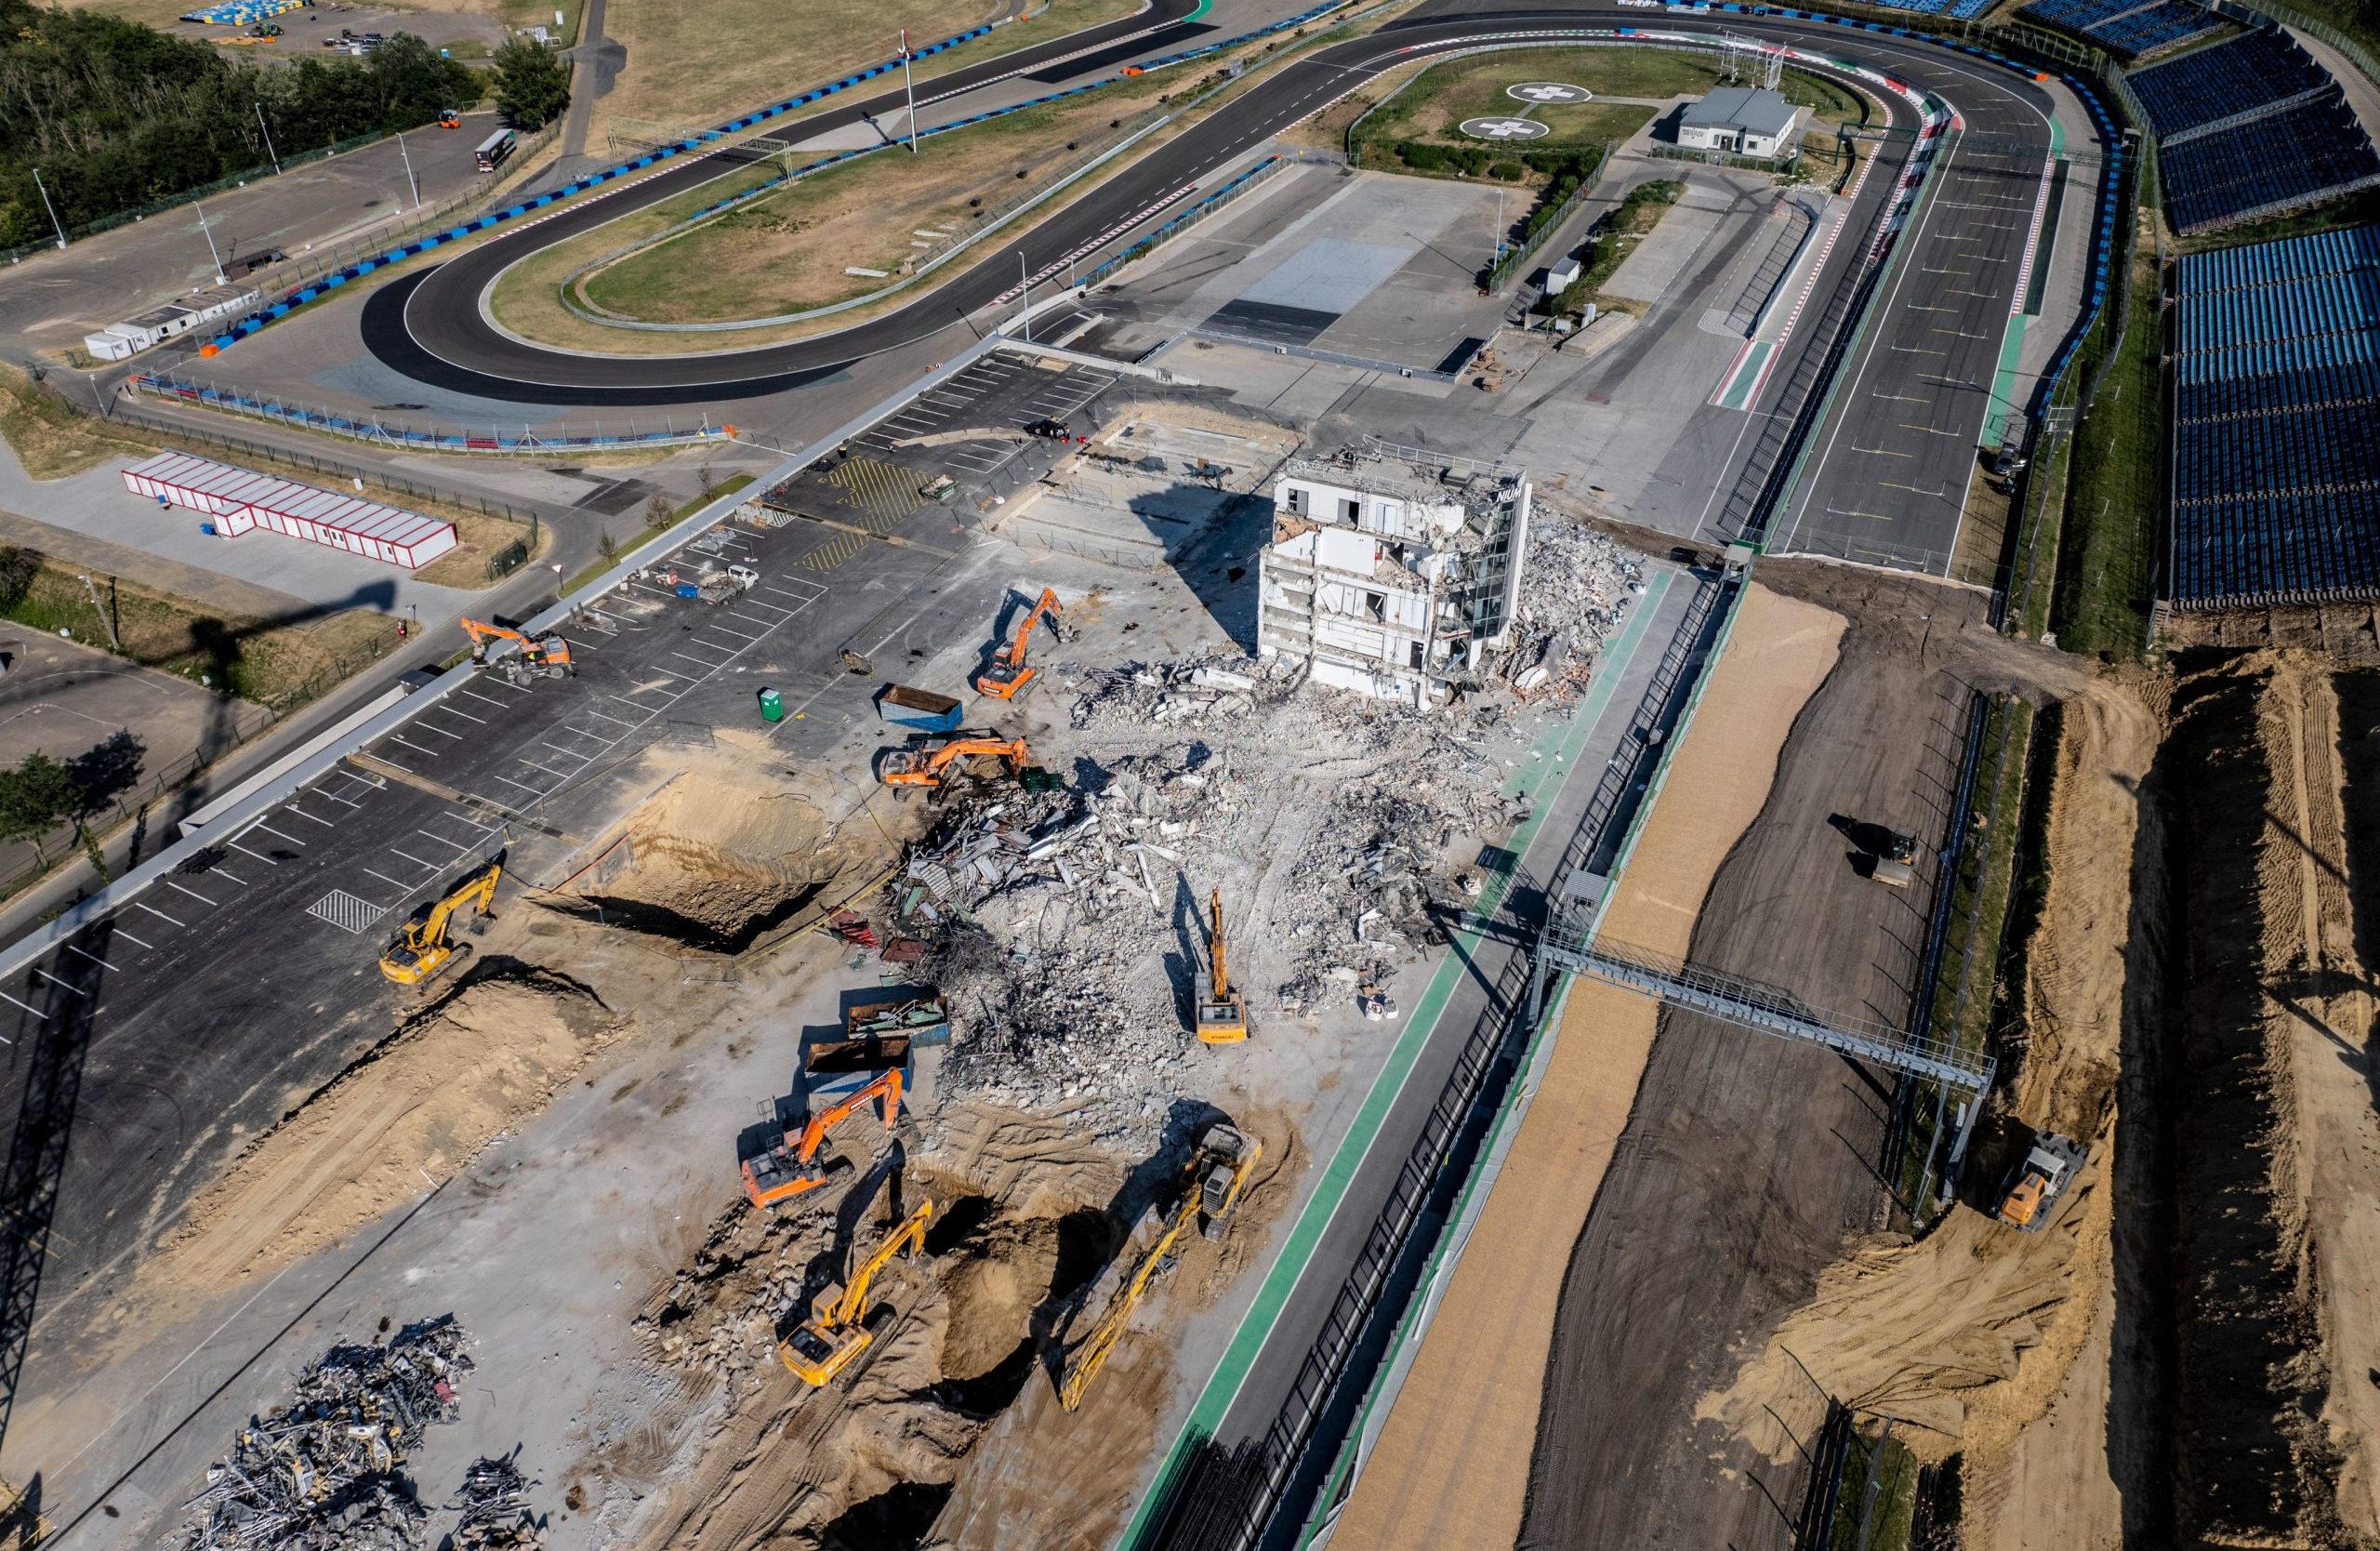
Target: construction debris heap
321,1473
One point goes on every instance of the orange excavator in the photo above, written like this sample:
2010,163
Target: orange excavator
792,1167
920,767
517,656
1007,677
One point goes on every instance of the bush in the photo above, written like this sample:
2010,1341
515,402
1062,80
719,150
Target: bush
1507,172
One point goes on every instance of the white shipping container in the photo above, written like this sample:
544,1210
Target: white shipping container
241,500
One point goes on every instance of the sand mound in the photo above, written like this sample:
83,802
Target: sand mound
721,854
422,1102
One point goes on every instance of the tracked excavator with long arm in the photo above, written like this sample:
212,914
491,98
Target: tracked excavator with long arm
823,1345
1008,675
424,946
518,658
927,767
1221,1012
1212,1185
794,1167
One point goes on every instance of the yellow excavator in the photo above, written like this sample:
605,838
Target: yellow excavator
1211,1185
424,947
1008,675
823,1345
519,658
922,767
1221,1012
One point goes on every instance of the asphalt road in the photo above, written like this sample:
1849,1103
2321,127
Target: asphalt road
432,328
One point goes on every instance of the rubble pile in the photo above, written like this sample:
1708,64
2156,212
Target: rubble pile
321,1473
1066,926
722,1313
494,1505
1576,586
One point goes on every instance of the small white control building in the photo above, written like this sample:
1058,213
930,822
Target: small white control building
1389,573
153,327
1742,120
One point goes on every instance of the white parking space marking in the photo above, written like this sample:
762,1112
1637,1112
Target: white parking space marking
26,1005
298,843
159,914
133,940
55,981
82,953
192,893
246,852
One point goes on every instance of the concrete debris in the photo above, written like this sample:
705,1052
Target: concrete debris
1576,587
321,1473
1065,927
495,1504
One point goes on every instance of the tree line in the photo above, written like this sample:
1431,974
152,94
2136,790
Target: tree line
117,115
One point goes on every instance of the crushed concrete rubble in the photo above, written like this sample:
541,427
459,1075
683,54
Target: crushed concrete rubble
1065,925
322,1474
1576,584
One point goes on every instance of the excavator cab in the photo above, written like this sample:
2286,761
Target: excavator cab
423,947
1220,1012
1230,1157
823,1345
794,1168
1008,675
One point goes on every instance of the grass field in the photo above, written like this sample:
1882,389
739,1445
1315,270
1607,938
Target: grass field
51,440
789,250
2105,556
1442,98
1615,237
693,65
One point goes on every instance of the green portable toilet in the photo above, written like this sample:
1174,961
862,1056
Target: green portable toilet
771,706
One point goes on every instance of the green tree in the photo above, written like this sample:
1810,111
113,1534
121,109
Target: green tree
34,797
531,83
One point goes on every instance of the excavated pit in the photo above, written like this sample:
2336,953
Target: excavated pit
722,855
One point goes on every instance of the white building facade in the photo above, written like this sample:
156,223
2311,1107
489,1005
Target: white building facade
1387,576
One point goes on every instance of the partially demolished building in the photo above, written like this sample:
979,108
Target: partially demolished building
1391,572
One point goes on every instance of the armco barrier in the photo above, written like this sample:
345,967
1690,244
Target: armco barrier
330,283
385,433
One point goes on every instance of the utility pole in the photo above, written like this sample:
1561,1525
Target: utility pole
410,181
1024,297
220,278
269,150
101,609
55,223
909,82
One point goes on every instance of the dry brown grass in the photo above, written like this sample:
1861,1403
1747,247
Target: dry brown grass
697,64
479,539
51,439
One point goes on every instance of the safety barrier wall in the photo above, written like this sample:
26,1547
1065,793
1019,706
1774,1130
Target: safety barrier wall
331,282
396,434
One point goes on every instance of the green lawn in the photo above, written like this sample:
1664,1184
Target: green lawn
2105,552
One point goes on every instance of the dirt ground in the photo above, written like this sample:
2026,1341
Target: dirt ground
407,1115
946,1433
724,853
1451,1463
1747,1169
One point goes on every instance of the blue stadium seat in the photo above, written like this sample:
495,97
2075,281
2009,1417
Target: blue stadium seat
2250,72
2275,456
2282,161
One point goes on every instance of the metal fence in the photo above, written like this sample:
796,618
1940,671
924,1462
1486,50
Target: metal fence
399,436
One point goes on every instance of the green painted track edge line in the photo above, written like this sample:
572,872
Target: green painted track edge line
1256,1325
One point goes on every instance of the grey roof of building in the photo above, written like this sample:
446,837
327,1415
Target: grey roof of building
1755,109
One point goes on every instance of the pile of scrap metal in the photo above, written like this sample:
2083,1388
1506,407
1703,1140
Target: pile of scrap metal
321,1473
978,852
496,1508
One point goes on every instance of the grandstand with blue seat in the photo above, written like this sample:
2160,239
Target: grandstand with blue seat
2210,88
2275,490
2130,28
2268,166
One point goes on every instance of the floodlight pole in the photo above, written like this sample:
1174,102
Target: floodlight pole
220,278
909,80
56,225
411,181
266,131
